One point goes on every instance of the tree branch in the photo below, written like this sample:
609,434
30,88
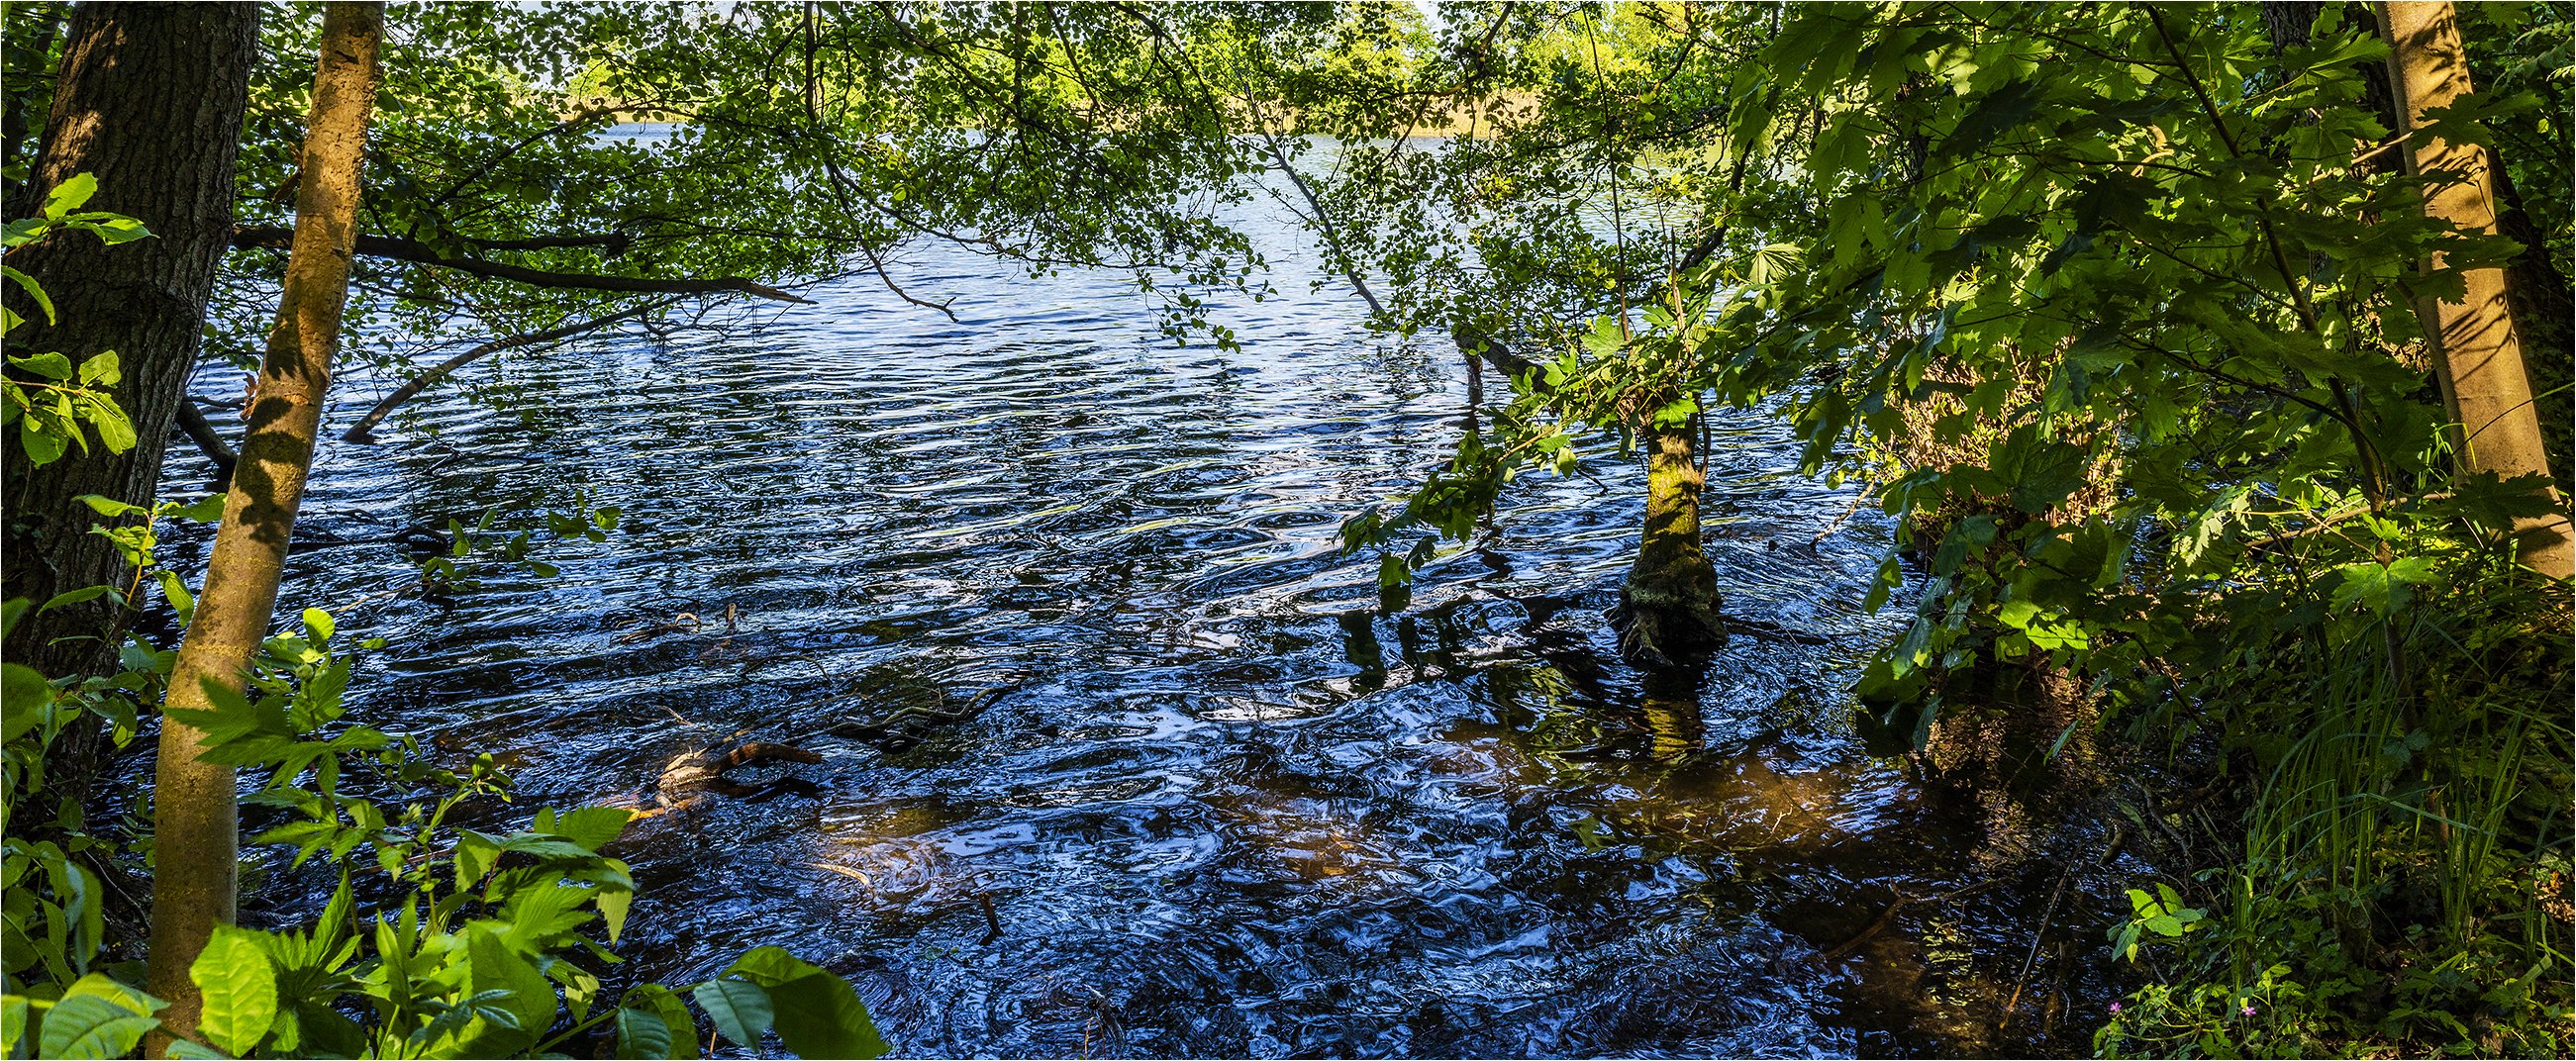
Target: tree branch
414,251
364,430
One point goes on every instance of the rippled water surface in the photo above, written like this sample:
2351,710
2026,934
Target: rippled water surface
1220,803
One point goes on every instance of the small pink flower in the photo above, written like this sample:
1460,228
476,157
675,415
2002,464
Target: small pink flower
2115,1009
2248,1010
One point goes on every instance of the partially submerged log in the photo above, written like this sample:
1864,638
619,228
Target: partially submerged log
704,771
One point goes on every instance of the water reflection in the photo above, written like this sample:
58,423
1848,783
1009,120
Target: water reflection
1220,801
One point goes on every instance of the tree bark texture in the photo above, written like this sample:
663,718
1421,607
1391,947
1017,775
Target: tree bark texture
149,100
2477,352
195,821
1667,613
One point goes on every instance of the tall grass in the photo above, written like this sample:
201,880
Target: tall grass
2407,829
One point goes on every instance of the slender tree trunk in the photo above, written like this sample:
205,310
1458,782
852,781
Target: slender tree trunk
149,100
1667,614
2478,353
194,816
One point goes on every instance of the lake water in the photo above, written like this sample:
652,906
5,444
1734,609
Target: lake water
1221,804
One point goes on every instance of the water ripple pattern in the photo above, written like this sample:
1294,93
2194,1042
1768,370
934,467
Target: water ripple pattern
1221,804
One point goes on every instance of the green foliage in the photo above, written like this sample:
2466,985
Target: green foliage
487,945
2115,307
47,396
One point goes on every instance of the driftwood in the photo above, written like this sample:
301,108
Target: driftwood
704,770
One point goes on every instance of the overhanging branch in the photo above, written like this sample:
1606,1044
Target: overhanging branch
414,251
366,426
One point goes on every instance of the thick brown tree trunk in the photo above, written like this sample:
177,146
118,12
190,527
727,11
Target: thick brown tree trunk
1667,613
149,100
195,823
2477,351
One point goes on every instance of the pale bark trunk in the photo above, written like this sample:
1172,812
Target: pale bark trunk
1667,614
196,828
2477,353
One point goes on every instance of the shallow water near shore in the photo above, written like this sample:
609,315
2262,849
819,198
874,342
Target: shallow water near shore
1220,803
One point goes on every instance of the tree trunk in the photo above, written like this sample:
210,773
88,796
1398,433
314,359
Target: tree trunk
2542,310
1667,613
2477,353
150,101
194,816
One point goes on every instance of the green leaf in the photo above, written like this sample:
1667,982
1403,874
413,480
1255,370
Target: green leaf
97,1018
112,229
24,697
101,369
2039,472
531,997
51,366
91,1027
677,1022
642,1035
591,827
176,590
239,985
319,622
110,507
114,430
69,195
74,597
2381,590
739,1008
35,291
14,1012
818,1014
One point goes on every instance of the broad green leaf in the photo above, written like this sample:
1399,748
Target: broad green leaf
678,1023
24,697
100,369
91,1027
14,1013
530,996
239,986
114,430
50,366
642,1035
69,195
739,1008
591,827
817,1013
97,1017
112,229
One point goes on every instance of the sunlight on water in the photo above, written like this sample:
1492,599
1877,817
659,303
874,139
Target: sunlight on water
1220,805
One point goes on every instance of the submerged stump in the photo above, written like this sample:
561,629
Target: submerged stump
1667,616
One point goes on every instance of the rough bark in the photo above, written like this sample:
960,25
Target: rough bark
2477,350
1667,613
149,100
195,819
